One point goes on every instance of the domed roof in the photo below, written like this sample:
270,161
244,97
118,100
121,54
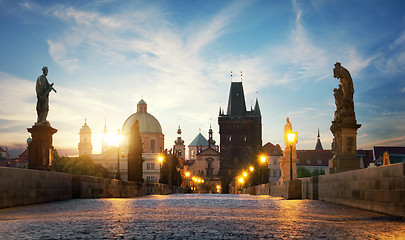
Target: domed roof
147,122
142,102
85,128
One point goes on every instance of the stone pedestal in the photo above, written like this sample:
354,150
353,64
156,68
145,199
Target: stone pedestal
285,167
40,149
344,147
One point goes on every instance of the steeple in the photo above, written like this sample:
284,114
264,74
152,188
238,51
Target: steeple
104,141
179,141
318,142
179,148
105,126
236,101
211,141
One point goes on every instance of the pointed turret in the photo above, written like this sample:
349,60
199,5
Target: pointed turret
318,142
257,108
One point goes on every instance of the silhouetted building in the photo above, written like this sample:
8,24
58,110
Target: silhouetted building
240,135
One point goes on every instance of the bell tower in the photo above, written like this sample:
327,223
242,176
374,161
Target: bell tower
179,148
84,145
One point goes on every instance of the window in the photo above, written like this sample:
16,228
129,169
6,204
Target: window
150,165
150,178
152,145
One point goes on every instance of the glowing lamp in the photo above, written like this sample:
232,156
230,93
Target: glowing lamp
291,138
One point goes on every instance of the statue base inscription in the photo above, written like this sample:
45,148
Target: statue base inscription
40,149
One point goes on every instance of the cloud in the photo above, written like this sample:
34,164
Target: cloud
391,59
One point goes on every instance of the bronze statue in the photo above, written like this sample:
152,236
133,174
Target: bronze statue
43,88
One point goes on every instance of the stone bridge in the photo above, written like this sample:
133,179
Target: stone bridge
97,208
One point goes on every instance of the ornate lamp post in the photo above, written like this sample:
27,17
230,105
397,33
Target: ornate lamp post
262,161
160,159
251,169
188,179
291,140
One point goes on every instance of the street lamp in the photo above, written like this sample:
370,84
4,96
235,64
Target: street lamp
291,140
187,180
262,161
117,140
160,159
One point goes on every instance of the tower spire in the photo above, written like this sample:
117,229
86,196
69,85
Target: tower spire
318,142
105,125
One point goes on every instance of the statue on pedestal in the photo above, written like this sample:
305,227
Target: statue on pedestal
286,158
343,94
344,126
40,149
43,88
135,160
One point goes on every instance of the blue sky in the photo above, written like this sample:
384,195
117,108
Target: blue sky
104,56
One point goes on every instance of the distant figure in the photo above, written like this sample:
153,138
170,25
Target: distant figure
386,159
43,88
287,129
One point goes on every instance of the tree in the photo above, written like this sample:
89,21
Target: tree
303,172
82,165
59,162
2,158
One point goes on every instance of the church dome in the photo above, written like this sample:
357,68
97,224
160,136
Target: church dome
147,122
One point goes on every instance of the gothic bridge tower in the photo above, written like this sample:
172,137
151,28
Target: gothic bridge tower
240,135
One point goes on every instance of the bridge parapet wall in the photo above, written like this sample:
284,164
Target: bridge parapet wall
379,189
19,187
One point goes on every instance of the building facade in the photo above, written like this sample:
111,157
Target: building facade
152,136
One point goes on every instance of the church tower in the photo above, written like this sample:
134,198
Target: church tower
104,141
240,135
318,142
211,141
84,145
179,148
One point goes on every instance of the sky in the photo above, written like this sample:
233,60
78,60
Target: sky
104,56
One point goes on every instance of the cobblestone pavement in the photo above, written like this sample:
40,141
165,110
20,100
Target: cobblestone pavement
196,217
